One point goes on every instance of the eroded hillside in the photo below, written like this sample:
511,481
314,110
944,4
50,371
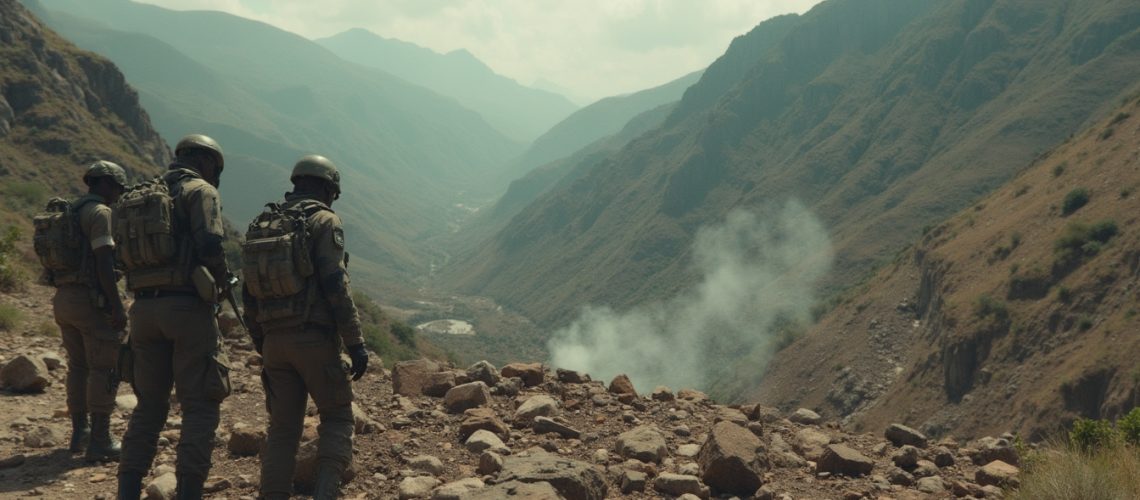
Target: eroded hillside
1018,313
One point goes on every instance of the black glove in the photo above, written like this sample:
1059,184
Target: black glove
359,360
258,343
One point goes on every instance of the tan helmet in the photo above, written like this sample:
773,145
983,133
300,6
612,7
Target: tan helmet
199,141
104,168
319,167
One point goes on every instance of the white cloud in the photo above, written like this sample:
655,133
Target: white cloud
594,48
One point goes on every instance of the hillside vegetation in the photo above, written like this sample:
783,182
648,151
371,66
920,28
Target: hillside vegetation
1017,314
880,116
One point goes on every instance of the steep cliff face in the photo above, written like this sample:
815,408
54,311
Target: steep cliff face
1017,314
62,108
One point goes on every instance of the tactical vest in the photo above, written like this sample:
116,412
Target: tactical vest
147,240
64,251
277,262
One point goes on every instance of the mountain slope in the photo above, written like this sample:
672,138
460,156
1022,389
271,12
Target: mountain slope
880,116
519,112
598,120
270,96
61,108
1017,314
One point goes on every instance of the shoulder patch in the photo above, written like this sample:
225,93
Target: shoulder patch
338,237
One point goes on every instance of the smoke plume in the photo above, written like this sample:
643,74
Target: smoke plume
758,276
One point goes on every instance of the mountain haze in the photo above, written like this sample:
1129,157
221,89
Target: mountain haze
519,112
270,96
880,116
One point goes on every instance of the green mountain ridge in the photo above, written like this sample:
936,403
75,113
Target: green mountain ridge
270,96
519,112
881,116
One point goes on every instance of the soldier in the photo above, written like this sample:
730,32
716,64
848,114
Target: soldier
175,339
300,318
90,315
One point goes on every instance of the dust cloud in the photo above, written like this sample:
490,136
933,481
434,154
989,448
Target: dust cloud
757,276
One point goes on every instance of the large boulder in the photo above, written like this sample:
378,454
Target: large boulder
530,373
643,443
466,396
305,473
811,442
806,417
573,479
438,384
901,435
732,460
25,374
622,385
485,372
997,473
410,377
840,459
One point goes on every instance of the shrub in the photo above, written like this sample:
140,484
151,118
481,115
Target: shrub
1064,294
1068,474
1121,116
1080,240
1090,435
404,333
988,306
1129,427
27,195
1060,169
1107,134
9,317
1076,199
1084,323
11,278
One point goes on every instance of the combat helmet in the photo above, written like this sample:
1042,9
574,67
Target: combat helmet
319,167
203,142
103,168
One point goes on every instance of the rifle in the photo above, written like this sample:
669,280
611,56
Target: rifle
228,294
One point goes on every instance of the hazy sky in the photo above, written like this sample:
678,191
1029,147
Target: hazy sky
589,48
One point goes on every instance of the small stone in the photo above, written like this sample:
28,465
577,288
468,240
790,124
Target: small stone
417,487
127,402
52,360
906,457
245,441
162,488
571,376
925,468
437,384
810,442
43,437
601,456
901,435
485,372
841,459
482,440
456,490
632,481
410,377
680,484
482,418
732,460
900,477
490,463
531,374
765,414
622,385
466,396
428,464
25,374
998,473
943,457
545,425
967,489
806,417
539,405
215,485
642,443
932,485
692,395
98,478
688,450
663,393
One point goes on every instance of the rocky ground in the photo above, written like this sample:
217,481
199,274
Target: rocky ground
427,430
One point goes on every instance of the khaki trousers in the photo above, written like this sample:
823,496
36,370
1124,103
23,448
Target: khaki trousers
175,343
92,349
300,364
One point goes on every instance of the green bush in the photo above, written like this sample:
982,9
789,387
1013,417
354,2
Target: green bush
27,195
1091,435
9,317
1076,199
1129,427
11,277
1080,240
988,306
404,333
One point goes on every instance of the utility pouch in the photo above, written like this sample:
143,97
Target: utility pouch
205,285
216,380
125,365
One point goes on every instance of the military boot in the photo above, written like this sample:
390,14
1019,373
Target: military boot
130,486
327,482
80,431
189,488
103,447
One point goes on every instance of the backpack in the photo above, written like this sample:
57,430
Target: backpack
276,261
144,232
59,242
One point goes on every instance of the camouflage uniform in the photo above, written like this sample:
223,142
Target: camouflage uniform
92,344
302,358
175,342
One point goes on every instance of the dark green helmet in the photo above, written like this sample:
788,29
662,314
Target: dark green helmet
103,168
319,167
199,141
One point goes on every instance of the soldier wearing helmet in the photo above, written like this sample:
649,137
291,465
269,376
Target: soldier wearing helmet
301,351
175,340
91,317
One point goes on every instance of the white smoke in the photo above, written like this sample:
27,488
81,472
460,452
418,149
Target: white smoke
756,274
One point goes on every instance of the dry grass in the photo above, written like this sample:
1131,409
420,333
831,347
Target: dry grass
1063,473
10,316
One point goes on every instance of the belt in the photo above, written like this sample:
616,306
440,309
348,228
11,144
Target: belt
155,294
